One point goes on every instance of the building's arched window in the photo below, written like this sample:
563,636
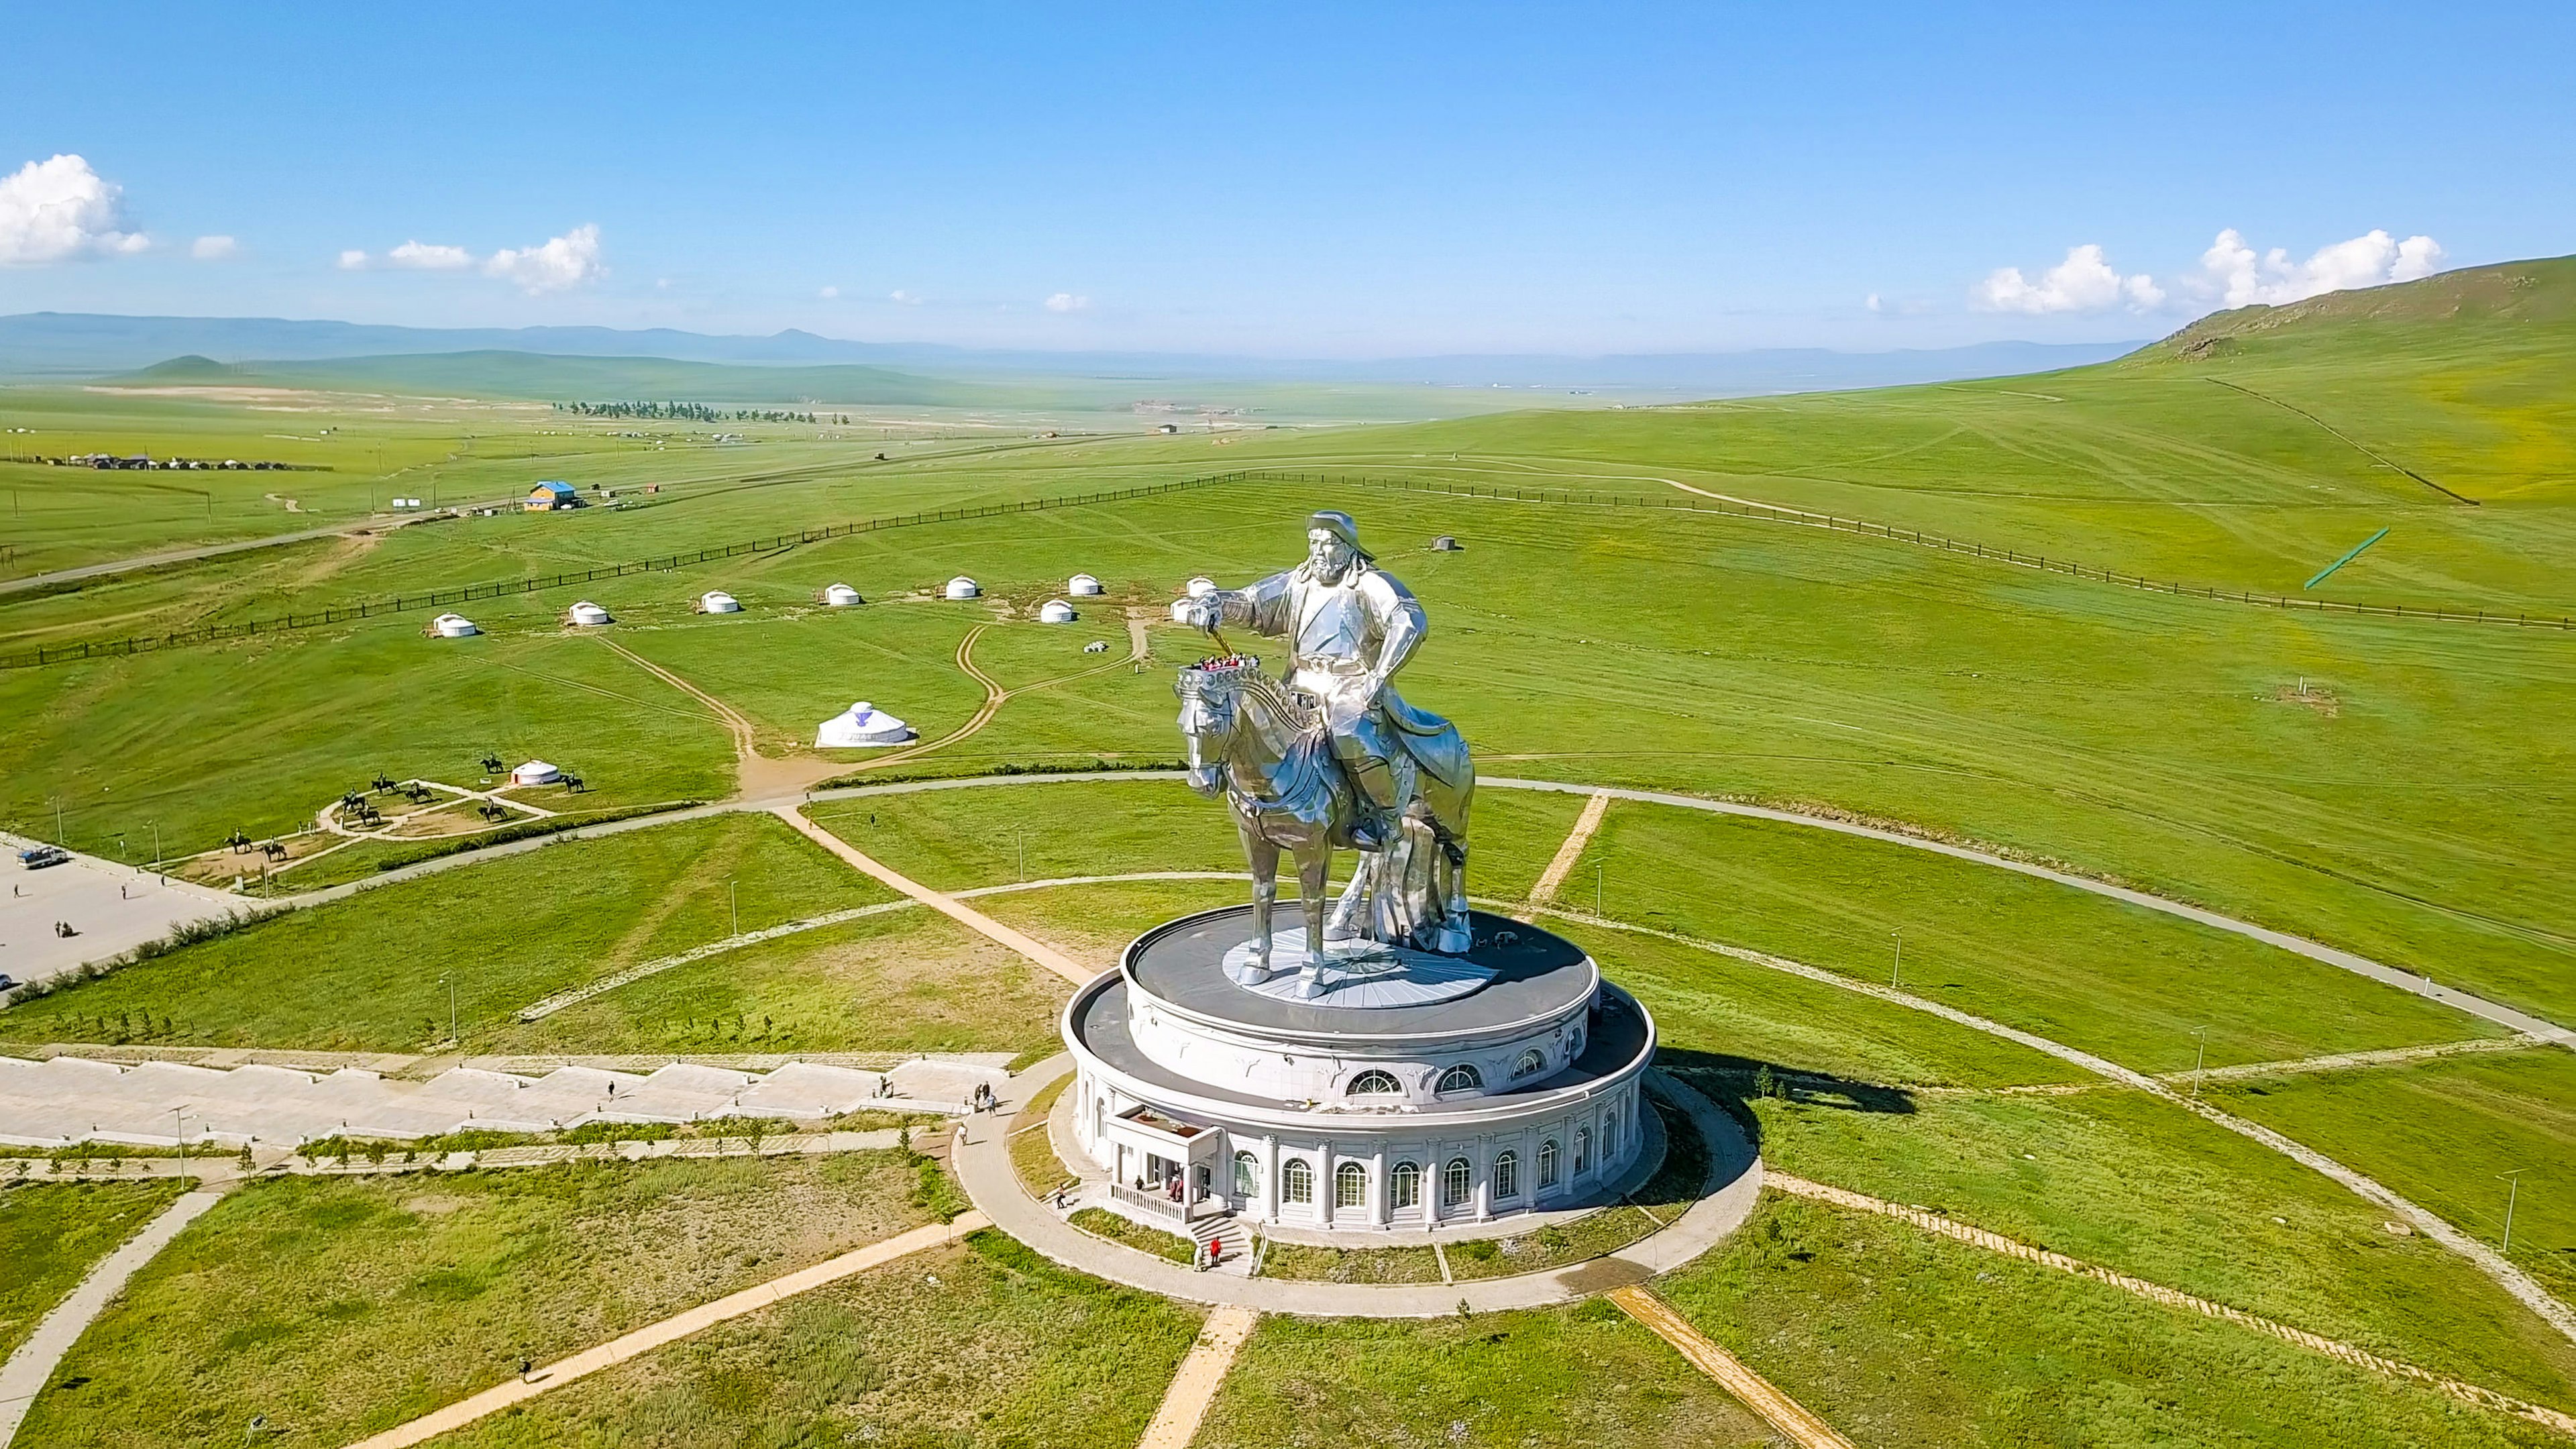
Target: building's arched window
1532,1063
1582,1150
1297,1180
1547,1164
1374,1083
1247,1174
1507,1175
1406,1184
1610,1134
1460,1078
1350,1186
1455,1182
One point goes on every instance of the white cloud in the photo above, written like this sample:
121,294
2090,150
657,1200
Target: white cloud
353,261
567,261
55,210
1873,303
2084,282
828,293
2233,275
213,248
1067,302
429,257
909,299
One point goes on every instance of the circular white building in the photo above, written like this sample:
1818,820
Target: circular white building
1055,611
1200,587
588,615
962,587
717,601
841,596
1082,586
536,772
862,726
1417,1091
452,626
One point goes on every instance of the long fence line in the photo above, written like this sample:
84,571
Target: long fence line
1698,503
440,598
1774,513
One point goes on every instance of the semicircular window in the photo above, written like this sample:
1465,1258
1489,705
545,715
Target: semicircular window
1460,1078
1374,1083
1532,1063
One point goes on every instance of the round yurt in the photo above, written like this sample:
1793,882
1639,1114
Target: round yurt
841,596
1082,586
536,772
962,587
1201,587
862,726
452,626
588,615
717,601
1055,611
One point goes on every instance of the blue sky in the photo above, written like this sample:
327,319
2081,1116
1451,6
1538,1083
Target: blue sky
1320,180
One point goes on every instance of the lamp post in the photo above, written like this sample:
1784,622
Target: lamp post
2513,1190
180,1126
2199,1059
156,847
1896,969
1596,887
448,980
733,903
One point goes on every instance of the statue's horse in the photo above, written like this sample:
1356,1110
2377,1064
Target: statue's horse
1266,749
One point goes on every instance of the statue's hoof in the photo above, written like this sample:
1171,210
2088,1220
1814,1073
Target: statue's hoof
1252,973
1310,988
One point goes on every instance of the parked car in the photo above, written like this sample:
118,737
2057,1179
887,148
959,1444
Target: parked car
7,981
38,857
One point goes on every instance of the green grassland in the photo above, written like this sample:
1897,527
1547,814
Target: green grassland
980,1345
341,1306
53,1233
1583,1376
1903,1340
2443,1133
364,973
2143,1187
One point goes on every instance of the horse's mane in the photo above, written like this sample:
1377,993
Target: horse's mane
1304,719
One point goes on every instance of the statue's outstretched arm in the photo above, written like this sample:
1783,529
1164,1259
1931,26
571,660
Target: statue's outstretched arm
1262,608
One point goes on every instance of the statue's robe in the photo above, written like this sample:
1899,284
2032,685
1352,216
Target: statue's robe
1340,636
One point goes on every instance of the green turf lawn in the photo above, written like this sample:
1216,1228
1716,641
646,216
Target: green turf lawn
2441,1132
979,1345
907,981
1037,828
2127,983
1900,1339
2141,1186
1581,1376
342,1306
363,973
53,1233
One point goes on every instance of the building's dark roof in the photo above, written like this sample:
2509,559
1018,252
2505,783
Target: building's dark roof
1537,974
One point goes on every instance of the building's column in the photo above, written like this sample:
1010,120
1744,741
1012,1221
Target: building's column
1327,1184
1480,1166
1269,1179
1377,1188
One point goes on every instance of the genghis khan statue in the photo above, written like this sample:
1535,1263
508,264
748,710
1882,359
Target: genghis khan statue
1393,781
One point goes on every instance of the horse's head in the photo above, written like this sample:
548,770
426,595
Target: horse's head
1211,693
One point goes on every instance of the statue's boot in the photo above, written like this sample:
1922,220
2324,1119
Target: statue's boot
1373,827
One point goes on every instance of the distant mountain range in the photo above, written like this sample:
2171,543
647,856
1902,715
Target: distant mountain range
72,344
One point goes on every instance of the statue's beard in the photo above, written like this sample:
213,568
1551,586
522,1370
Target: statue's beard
1333,572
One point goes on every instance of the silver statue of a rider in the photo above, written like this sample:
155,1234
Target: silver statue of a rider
1350,627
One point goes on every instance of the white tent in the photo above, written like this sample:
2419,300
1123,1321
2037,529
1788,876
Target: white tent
1082,586
589,614
1055,611
717,601
841,596
535,772
453,626
1201,587
862,726
962,587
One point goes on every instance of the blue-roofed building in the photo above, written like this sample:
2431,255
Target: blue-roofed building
546,497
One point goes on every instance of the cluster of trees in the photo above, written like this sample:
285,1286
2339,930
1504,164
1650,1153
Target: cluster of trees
687,412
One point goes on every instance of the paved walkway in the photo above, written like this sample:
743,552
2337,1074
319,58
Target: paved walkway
1185,1403
1794,1420
947,905
652,1336
114,907
32,1366
1553,878
982,1162
2487,1260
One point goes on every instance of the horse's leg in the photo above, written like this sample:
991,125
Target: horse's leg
1314,862
1449,810
1262,853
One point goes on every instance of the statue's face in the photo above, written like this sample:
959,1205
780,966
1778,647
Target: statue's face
1326,551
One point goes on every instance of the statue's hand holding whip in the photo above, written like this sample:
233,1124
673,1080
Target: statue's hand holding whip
1203,613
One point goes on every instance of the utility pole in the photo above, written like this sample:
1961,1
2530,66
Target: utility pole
181,1123
1596,887
733,903
156,852
2513,1190
2199,1060
1896,971
448,980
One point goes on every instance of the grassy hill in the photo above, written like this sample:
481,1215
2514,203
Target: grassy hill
531,376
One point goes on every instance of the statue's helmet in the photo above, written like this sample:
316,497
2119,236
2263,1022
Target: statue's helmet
1340,525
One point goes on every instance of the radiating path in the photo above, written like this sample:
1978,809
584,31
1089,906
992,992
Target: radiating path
1185,1403
653,1335
1553,878
32,1366
947,905
1794,1420
2172,1298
